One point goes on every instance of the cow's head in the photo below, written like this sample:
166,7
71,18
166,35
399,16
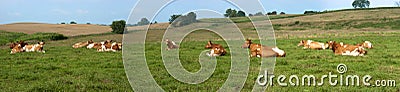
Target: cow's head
330,44
367,44
247,43
12,45
301,43
90,41
209,45
41,42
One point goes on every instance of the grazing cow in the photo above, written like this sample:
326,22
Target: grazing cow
312,45
36,47
345,49
82,44
109,45
170,44
216,49
366,44
257,50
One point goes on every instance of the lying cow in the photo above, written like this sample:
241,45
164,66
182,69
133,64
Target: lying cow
258,50
171,44
312,45
216,49
82,44
17,47
109,45
345,49
36,47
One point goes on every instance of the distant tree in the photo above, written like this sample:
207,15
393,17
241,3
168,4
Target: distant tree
259,14
282,13
118,26
184,19
62,22
143,21
250,14
155,22
72,22
230,13
173,17
241,14
88,23
361,4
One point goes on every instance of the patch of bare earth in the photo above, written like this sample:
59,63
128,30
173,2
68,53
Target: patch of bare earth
65,29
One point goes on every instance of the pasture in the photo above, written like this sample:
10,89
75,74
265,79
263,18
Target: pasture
67,69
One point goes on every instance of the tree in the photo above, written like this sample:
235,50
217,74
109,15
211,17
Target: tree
230,13
361,4
241,14
72,22
62,22
250,14
88,23
259,14
143,21
282,13
173,18
155,22
118,26
182,20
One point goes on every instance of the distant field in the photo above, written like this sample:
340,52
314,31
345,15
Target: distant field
63,68
65,29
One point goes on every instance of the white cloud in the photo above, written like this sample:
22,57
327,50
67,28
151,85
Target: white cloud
14,14
80,11
60,11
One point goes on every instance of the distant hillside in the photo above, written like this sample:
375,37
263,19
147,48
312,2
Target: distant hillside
65,29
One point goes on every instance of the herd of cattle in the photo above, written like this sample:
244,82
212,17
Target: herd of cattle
258,50
108,45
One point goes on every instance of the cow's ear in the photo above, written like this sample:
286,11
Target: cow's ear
209,42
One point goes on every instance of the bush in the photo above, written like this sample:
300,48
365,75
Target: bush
42,36
118,26
143,21
72,22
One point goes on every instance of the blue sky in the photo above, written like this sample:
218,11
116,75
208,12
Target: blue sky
105,11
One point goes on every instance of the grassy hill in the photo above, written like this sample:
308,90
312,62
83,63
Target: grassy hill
68,69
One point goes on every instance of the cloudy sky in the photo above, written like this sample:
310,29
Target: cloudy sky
105,11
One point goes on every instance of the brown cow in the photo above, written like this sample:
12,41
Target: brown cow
109,45
36,47
257,50
82,44
171,44
312,45
345,49
216,49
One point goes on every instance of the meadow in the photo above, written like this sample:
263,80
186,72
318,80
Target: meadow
63,68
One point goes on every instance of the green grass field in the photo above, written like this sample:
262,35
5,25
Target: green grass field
63,68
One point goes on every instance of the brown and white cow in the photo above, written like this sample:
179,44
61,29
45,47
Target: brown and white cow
36,47
346,49
216,49
258,50
82,44
312,45
170,44
17,47
109,45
